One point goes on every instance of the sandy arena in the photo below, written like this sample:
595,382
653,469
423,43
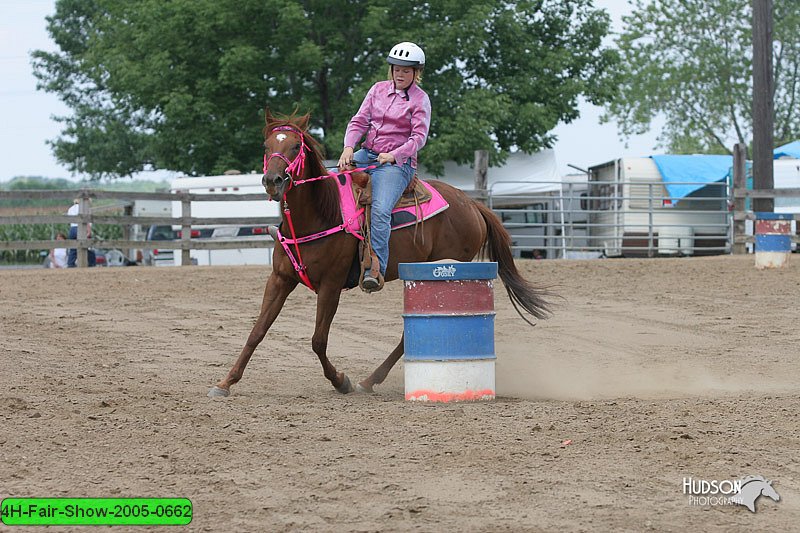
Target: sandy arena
655,370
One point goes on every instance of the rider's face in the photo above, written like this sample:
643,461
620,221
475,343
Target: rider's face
402,76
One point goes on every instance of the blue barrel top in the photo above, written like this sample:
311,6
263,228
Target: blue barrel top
445,271
766,215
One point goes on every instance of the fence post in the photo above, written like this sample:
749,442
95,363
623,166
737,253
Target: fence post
126,231
481,172
83,230
186,230
763,103
739,184
650,244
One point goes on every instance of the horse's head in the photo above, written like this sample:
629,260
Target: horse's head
769,491
752,488
285,151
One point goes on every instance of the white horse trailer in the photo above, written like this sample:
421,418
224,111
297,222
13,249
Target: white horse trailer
631,213
235,184
786,175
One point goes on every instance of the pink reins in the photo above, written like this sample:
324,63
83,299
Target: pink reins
295,168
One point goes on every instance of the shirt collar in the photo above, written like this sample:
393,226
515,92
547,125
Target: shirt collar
405,94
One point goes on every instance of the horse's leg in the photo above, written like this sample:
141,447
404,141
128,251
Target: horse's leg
327,303
275,294
380,373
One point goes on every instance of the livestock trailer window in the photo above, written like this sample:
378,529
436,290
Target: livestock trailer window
603,196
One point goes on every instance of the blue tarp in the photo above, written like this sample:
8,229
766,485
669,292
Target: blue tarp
700,170
788,150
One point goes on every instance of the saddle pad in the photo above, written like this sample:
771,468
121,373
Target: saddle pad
401,216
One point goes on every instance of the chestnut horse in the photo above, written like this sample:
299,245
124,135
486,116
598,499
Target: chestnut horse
311,206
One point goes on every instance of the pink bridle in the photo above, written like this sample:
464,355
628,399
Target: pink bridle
296,166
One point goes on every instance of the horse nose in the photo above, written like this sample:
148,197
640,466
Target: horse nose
275,181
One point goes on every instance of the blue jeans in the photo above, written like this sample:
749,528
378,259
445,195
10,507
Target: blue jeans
72,253
388,183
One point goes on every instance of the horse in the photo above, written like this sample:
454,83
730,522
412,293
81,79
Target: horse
294,174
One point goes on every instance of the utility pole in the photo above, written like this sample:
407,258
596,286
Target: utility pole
762,103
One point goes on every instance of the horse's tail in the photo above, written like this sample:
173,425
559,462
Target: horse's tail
522,293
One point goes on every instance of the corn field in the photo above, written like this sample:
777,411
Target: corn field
44,232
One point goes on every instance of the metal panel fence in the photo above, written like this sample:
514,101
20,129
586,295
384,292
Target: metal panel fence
614,218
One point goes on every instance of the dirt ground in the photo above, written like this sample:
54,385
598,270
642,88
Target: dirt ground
655,370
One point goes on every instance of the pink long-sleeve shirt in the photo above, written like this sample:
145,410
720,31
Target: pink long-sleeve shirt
394,122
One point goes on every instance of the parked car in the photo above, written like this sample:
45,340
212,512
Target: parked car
156,256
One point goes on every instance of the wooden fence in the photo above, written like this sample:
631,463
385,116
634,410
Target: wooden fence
127,221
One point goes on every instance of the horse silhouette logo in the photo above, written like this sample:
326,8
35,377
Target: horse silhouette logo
752,488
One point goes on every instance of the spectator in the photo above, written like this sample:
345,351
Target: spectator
58,256
72,256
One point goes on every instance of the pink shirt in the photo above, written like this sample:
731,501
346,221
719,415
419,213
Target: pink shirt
394,122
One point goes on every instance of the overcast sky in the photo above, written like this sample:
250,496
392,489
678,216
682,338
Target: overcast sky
26,114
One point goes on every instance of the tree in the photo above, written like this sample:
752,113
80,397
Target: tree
691,62
182,85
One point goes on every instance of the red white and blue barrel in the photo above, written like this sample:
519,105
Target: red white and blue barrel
448,316
773,239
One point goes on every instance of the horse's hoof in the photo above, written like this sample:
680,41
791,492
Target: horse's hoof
346,387
364,390
218,392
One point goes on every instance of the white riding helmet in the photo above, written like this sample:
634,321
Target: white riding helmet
406,54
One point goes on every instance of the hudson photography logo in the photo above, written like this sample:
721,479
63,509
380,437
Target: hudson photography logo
745,491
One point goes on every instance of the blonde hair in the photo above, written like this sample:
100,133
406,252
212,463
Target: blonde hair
417,74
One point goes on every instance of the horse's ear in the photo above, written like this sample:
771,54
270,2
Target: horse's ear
302,122
268,118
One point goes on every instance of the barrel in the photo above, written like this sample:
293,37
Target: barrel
773,239
448,321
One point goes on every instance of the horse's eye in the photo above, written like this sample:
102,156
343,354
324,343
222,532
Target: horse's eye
297,147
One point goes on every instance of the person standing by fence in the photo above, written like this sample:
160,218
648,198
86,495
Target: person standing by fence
72,256
58,256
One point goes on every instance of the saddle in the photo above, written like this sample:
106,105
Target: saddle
416,193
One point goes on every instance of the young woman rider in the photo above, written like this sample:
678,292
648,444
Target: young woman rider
395,117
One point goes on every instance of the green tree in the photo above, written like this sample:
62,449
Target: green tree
691,62
182,85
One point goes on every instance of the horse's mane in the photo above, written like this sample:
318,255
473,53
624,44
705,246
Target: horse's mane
326,193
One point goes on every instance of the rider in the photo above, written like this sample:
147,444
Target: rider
395,116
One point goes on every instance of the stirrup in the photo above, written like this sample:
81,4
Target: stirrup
371,284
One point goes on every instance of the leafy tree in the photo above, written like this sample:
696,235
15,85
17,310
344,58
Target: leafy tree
692,62
182,85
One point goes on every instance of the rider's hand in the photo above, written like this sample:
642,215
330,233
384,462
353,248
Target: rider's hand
384,158
346,159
